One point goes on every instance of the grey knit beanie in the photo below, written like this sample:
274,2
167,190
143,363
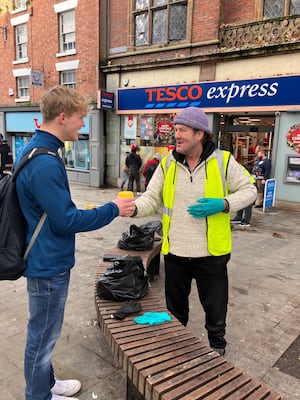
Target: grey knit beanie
193,117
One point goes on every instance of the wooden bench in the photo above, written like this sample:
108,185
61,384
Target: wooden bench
166,361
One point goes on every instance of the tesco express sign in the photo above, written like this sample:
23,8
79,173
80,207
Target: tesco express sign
259,92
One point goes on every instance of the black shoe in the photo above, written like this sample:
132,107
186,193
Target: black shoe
235,221
243,223
258,206
221,352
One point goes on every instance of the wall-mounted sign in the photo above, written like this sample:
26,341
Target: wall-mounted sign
293,138
36,78
105,100
279,91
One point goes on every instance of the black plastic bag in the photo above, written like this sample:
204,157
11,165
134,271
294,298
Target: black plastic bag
137,238
153,226
124,279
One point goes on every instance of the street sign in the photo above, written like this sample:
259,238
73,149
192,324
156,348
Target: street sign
269,195
105,100
36,78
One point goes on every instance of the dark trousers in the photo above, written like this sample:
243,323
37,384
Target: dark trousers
247,211
134,176
210,274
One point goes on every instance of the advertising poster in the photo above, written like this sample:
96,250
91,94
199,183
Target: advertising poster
130,127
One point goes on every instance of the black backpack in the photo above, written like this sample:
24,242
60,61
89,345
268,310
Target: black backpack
12,222
150,171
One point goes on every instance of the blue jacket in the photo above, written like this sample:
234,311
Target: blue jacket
42,185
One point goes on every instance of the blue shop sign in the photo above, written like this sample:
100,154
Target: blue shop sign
105,100
269,193
29,121
279,91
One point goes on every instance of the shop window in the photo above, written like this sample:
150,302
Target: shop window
21,41
23,88
159,21
67,31
77,154
279,8
150,130
68,78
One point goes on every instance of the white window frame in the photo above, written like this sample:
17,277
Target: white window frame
67,34
15,22
23,88
21,48
71,84
20,74
20,5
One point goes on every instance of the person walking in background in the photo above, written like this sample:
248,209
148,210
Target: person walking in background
198,186
150,167
243,216
6,159
42,186
125,175
261,172
134,162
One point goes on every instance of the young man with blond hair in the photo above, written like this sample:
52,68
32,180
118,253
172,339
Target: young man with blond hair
42,187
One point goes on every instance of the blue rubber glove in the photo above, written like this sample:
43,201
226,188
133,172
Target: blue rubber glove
206,207
153,318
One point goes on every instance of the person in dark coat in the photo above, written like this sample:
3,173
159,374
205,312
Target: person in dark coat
150,168
134,162
6,160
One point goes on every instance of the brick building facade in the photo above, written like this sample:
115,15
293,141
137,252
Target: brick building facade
42,50
47,43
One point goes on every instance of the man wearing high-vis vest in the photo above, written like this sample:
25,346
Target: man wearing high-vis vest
197,185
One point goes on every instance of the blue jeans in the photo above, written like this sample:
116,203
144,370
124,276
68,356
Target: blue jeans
47,299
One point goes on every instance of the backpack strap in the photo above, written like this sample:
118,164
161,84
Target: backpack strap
37,151
35,234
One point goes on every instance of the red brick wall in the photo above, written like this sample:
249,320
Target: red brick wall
237,11
206,15
43,45
119,18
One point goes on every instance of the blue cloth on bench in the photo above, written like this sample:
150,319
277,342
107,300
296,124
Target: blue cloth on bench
153,318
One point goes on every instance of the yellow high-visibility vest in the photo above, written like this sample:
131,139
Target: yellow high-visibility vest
218,225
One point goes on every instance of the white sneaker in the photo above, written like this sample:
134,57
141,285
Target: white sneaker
65,388
56,397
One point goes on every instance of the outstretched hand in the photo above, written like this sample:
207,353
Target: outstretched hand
206,207
126,206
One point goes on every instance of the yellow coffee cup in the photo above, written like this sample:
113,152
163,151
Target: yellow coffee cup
89,206
125,194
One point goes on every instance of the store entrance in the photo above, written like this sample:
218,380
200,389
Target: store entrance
244,135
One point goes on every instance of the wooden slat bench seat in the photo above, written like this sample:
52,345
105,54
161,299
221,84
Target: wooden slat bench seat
166,361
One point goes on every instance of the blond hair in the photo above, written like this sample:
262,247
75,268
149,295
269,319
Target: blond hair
60,99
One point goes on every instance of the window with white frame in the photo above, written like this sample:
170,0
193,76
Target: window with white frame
20,4
159,21
23,87
279,8
67,31
21,41
68,78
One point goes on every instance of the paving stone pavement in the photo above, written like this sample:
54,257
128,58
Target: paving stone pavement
263,315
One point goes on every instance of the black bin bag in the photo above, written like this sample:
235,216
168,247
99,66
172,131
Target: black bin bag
136,238
124,279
